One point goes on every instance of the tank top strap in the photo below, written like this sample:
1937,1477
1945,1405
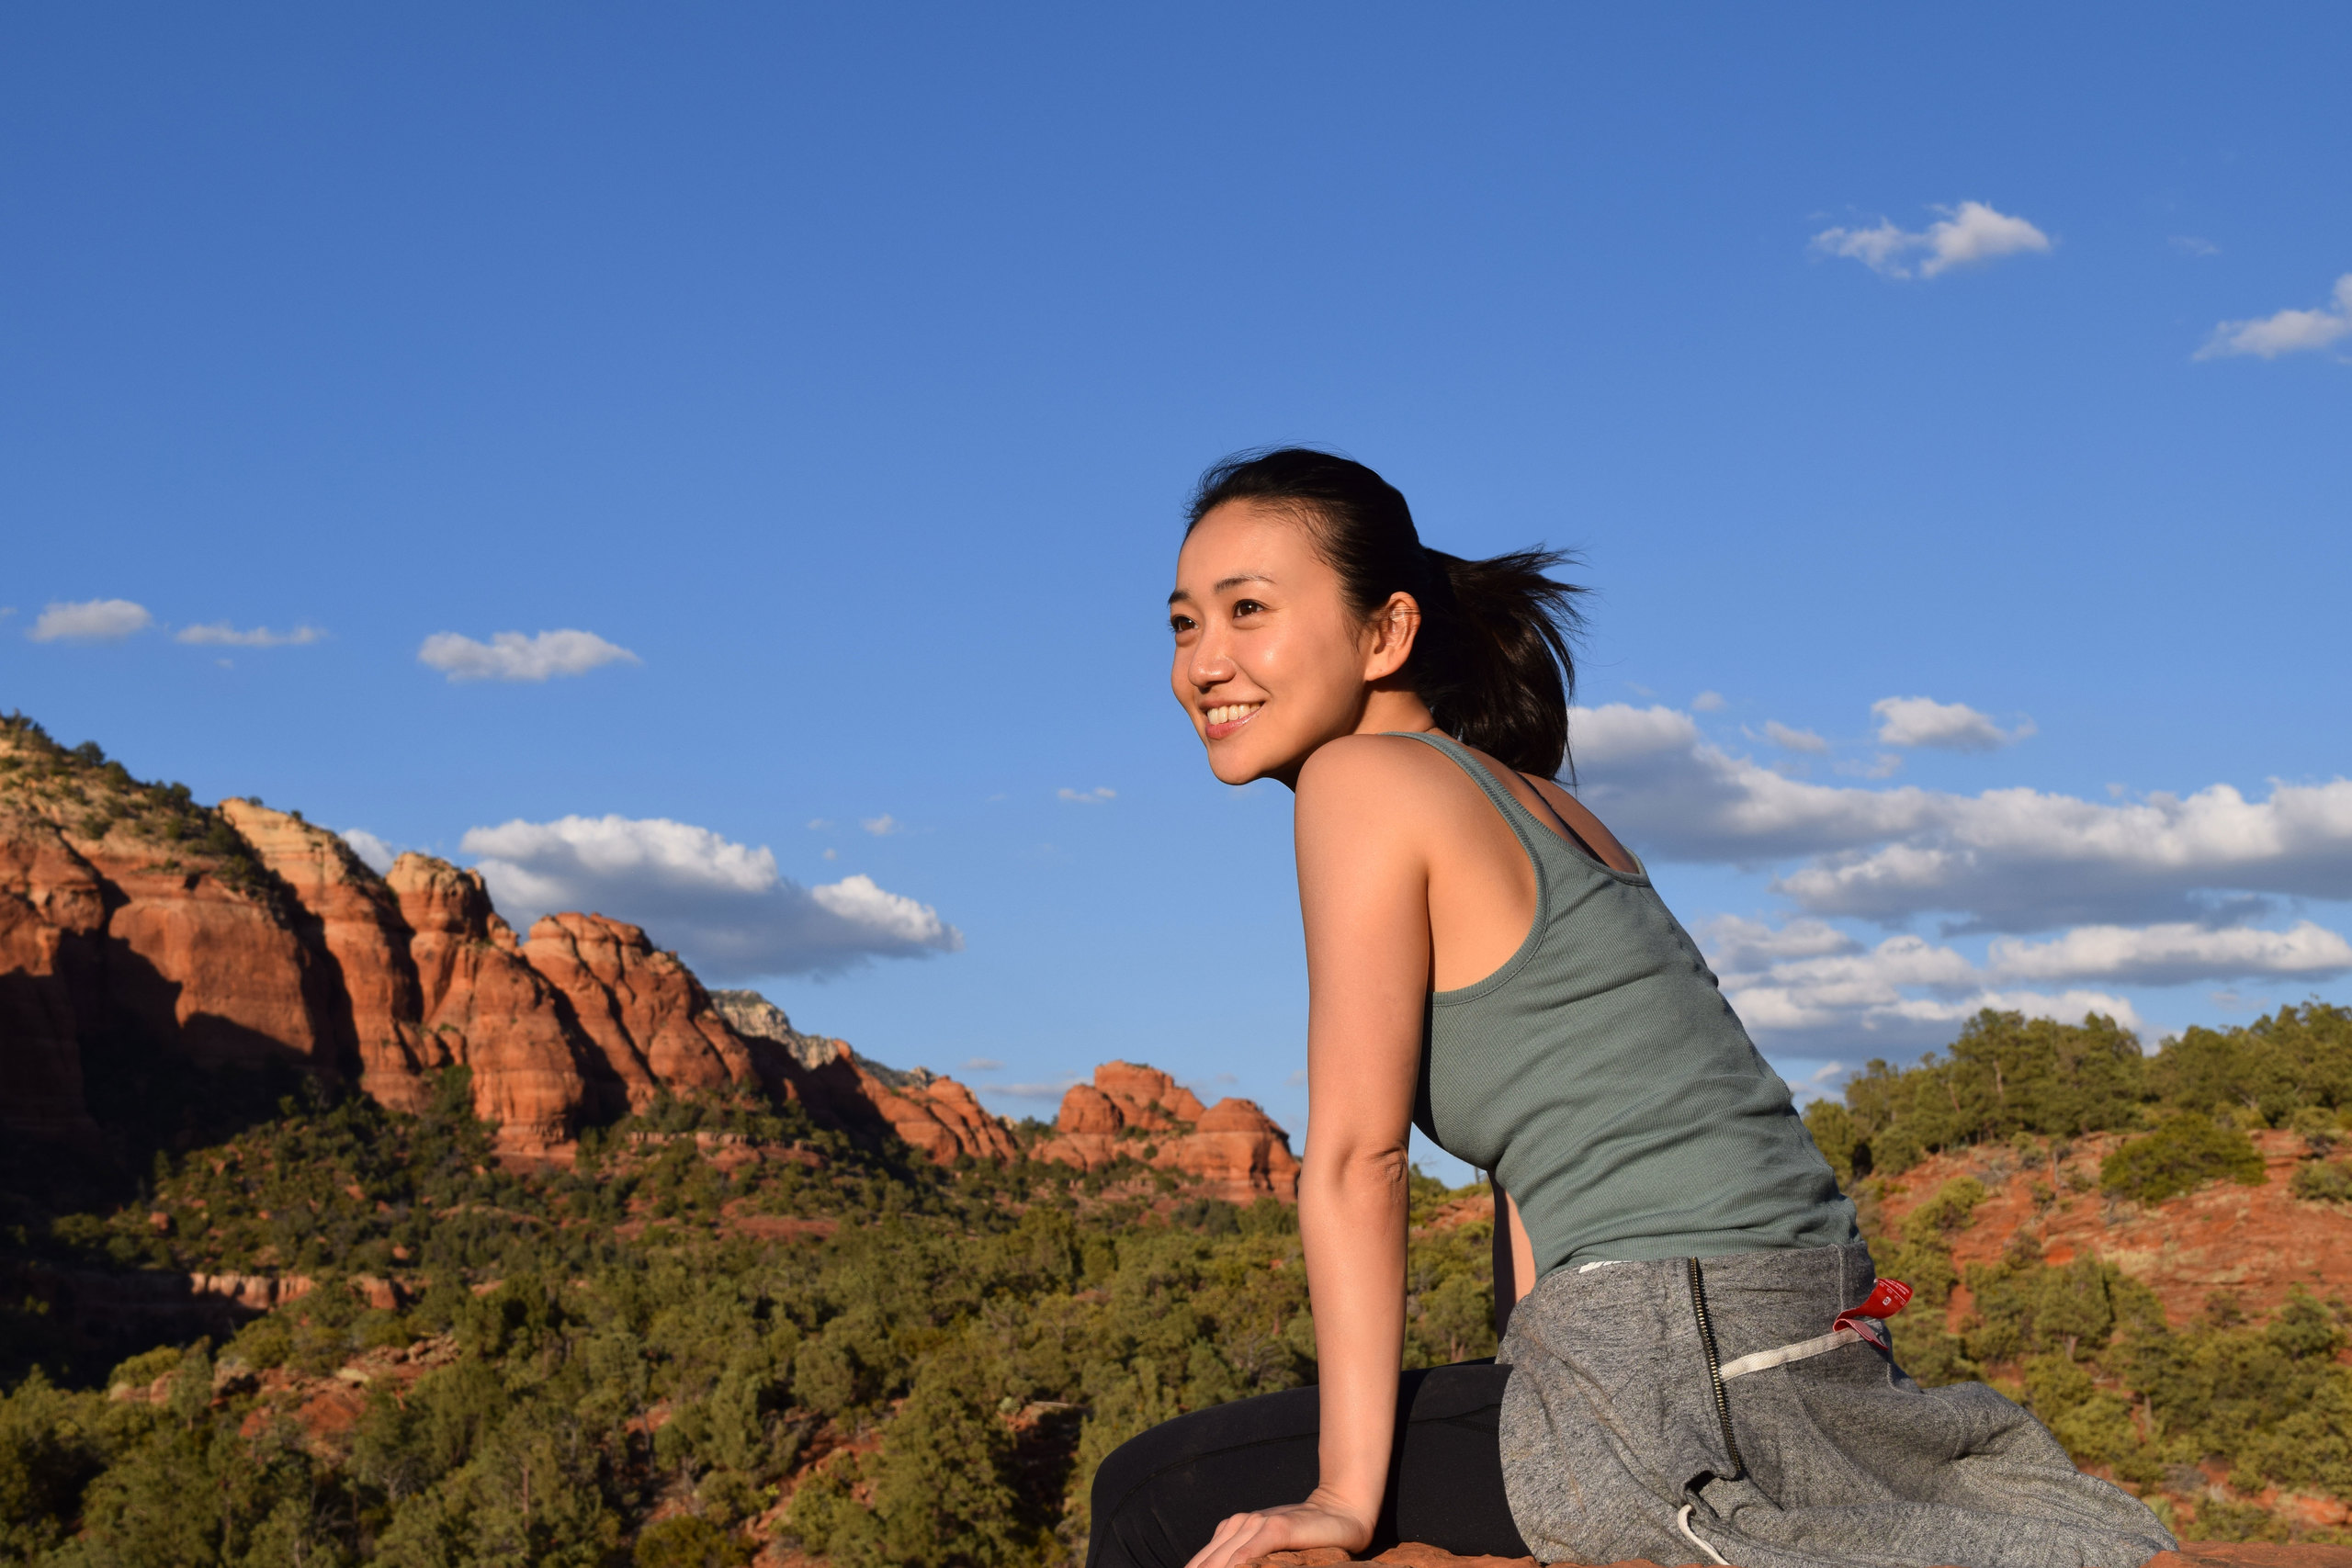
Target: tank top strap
1546,845
1532,832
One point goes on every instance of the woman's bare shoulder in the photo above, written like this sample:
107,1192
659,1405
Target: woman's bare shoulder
1371,762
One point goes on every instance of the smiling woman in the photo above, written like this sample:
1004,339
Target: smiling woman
1488,640
1487,961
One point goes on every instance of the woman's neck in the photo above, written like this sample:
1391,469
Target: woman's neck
1391,708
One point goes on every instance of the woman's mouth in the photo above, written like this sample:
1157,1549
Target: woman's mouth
1226,718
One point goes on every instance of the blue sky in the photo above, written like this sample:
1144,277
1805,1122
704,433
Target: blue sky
839,374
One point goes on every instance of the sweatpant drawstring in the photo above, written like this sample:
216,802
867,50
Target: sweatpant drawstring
1682,1523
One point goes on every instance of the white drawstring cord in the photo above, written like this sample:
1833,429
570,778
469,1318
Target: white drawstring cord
1682,1523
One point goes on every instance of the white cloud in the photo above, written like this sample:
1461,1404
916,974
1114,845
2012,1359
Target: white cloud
2288,332
722,904
1809,979
982,1065
882,826
2174,954
1950,726
1094,796
1739,944
1967,235
1872,996
372,850
510,656
1793,740
862,905
2016,860
1707,702
90,620
222,635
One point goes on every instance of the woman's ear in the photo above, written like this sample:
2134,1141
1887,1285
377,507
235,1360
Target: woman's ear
1388,635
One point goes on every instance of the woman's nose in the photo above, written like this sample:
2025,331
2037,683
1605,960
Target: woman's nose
1209,666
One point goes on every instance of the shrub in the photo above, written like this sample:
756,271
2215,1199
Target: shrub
2188,1151
689,1540
2323,1181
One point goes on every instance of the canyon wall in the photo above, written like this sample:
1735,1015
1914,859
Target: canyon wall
135,923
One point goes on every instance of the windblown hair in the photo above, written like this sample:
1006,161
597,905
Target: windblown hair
1492,657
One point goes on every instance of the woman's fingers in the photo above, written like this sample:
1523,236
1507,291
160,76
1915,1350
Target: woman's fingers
1225,1546
1244,1537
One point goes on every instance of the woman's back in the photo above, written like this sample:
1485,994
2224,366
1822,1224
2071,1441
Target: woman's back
1600,1075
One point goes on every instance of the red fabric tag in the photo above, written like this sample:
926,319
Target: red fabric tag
1887,1297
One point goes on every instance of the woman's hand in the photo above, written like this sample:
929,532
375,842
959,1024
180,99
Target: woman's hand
1322,1520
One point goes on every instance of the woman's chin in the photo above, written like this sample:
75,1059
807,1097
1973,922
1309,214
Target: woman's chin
1231,770
1233,762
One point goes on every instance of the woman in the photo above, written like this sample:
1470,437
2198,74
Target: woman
1683,1376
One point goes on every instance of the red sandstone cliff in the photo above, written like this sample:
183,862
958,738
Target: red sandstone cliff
649,1018
483,1007
128,914
1233,1147
131,915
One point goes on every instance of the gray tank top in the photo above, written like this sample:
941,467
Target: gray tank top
1602,1077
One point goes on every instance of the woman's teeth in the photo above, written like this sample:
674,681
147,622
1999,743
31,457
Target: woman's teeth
1232,711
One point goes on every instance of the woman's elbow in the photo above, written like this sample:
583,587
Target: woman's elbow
1359,1168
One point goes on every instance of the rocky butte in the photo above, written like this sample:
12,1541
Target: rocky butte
136,924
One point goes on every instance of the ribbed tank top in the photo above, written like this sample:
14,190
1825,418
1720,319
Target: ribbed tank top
1602,1077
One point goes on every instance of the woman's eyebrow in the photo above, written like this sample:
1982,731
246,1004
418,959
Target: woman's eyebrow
1222,584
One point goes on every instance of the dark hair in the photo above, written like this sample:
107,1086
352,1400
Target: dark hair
1492,659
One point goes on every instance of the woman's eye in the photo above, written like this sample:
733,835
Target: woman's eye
1246,607
1180,624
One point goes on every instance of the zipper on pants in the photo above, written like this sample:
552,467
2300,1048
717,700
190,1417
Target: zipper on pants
1715,1369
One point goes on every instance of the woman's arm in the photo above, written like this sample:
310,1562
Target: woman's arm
1364,891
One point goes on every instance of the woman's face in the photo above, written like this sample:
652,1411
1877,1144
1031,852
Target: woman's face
1270,661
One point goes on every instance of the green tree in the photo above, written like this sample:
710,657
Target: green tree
2183,1152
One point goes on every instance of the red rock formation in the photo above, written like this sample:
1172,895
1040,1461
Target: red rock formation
640,1006
841,1088
938,1115
1147,1097
483,1006
121,918
1239,1149
247,934
357,920
1234,1147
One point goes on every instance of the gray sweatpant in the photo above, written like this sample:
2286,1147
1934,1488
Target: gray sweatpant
1611,1426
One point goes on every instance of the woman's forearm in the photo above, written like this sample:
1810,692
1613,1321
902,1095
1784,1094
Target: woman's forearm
1351,1219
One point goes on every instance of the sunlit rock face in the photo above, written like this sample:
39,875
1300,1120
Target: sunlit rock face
651,1023
1233,1147
355,917
483,1006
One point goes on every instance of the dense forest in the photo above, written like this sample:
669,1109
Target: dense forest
727,1332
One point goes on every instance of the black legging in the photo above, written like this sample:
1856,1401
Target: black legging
1159,1498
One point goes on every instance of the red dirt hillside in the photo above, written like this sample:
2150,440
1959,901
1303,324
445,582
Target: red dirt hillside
2252,1241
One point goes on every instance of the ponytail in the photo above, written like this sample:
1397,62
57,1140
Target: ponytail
1492,659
